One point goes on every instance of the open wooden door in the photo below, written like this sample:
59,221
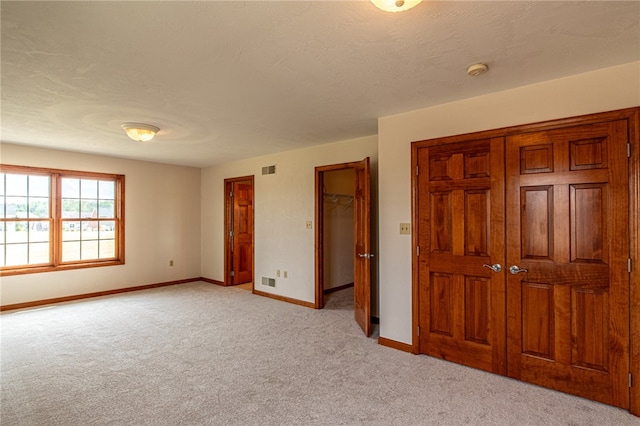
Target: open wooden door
362,240
461,240
568,245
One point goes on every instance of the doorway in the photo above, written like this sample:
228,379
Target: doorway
343,194
238,228
338,225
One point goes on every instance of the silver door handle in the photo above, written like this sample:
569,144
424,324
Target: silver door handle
515,269
496,267
367,255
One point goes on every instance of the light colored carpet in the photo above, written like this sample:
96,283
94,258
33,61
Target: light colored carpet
199,354
245,286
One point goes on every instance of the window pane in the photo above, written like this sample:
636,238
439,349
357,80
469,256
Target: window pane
38,253
2,208
70,188
106,190
88,208
70,231
2,260
39,186
70,251
107,249
89,230
89,188
2,178
17,254
107,229
16,184
17,232
38,207
89,250
107,209
39,231
17,206
70,208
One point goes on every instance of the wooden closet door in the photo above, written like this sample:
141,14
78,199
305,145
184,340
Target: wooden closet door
568,231
362,247
460,201
242,232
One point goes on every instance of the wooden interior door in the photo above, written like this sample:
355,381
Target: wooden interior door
568,233
242,235
460,239
362,242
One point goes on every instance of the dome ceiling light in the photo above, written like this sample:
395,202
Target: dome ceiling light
395,5
140,132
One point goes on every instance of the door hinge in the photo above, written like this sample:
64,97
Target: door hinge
231,233
628,150
231,194
418,251
629,265
630,380
233,273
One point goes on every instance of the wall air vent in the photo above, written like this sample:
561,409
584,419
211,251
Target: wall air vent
269,170
269,282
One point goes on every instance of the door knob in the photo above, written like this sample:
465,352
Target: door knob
496,267
515,269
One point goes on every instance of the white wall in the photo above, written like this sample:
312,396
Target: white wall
283,202
603,90
162,222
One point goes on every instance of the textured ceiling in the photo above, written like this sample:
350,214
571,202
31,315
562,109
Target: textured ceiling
232,80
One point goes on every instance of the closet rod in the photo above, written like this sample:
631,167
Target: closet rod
338,196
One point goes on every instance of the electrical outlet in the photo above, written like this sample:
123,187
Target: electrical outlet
286,274
405,228
171,263
278,272
309,224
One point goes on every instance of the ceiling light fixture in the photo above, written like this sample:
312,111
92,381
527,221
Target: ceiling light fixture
395,5
140,132
477,69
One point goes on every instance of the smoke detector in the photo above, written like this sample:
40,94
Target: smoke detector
477,69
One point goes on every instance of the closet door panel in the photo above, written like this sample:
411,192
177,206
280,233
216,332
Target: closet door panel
461,202
567,233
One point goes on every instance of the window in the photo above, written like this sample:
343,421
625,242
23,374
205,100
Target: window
59,219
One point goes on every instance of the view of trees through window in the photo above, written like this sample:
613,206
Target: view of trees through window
54,218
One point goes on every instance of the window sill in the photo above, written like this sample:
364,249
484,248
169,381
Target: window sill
64,267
